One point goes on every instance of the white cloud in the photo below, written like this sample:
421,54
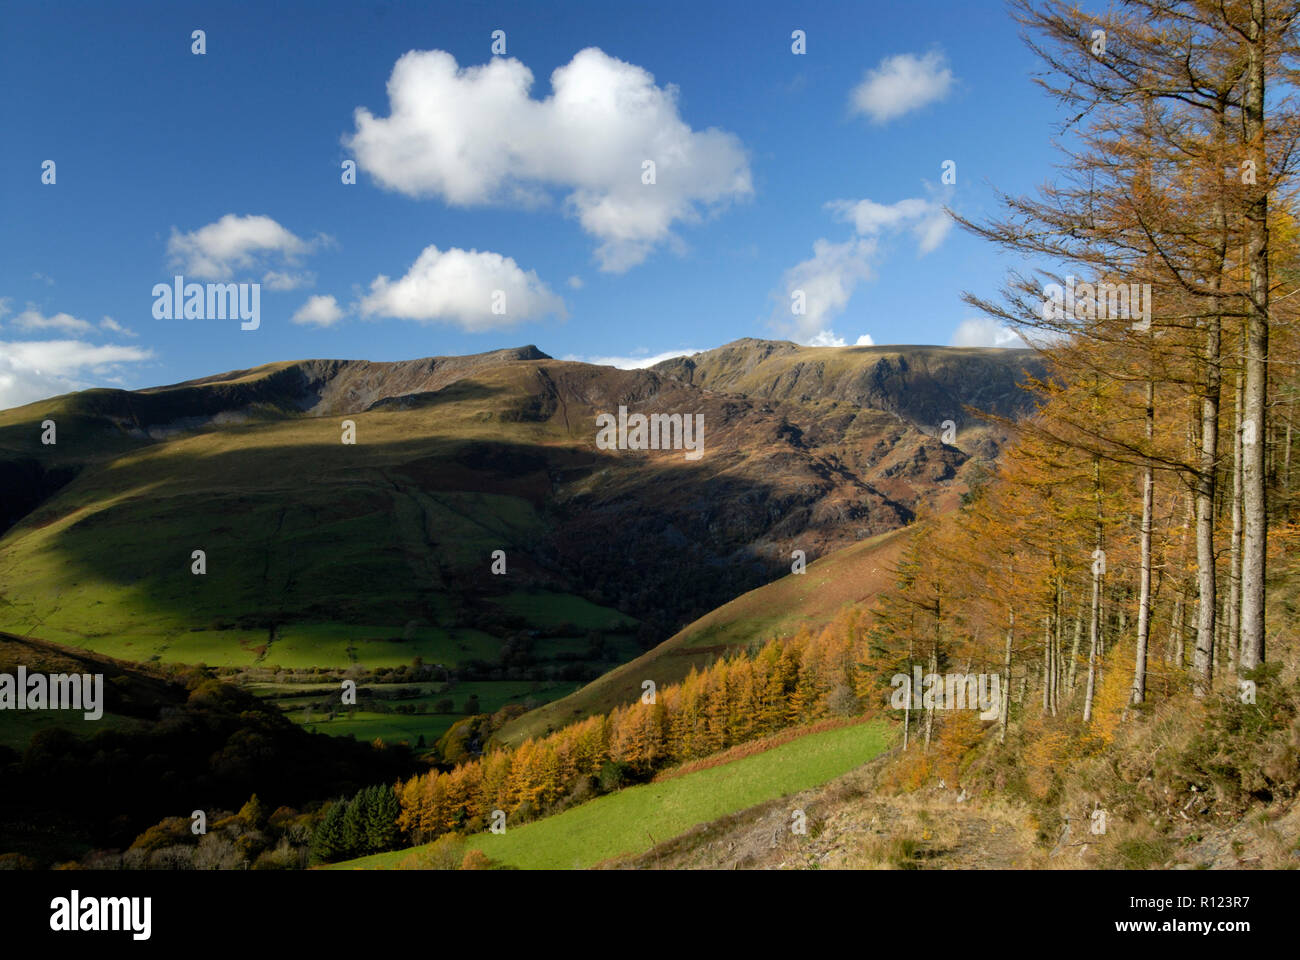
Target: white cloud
925,218
49,281
575,283
216,251
475,135
635,362
282,280
826,338
900,84
985,332
827,281
4,306
461,287
829,278
108,323
318,311
35,369
33,319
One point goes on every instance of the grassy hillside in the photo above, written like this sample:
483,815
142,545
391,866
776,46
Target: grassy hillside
634,819
848,576
391,536
319,554
376,555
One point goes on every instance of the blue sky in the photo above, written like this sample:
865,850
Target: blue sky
774,173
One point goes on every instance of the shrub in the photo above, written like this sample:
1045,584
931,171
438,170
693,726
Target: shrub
445,853
475,860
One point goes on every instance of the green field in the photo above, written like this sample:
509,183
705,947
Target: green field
389,727
624,822
545,608
300,703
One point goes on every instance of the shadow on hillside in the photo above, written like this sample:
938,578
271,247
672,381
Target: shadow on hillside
300,532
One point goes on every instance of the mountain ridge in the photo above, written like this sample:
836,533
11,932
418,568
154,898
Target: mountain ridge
317,545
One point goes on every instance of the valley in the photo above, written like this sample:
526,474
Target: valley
371,560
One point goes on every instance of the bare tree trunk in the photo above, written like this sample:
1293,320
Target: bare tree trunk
911,675
934,667
1074,651
1093,627
1047,664
1286,456
1177,632
1233,604
1057,659
1207,474
1144,588
1094,623
1006,678
1254,547
929,712
1176,629
1208,464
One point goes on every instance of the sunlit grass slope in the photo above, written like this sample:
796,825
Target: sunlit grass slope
632,820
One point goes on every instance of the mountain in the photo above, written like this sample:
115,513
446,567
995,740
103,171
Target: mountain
922,386
325,554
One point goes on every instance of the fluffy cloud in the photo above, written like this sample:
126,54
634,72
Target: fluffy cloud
827,281
33,319
36,369
318,312
475,135
984,332
638,362
925,218
834,271
460,287
901,84
216,251
284,280
827,338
